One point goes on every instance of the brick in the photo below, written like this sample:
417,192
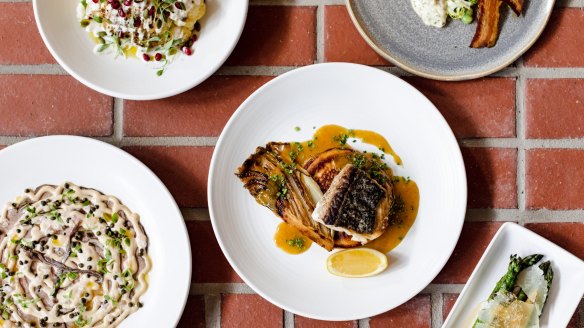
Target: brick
22,43
202,111
277,36
554,178
562,42
249,311
194,313
302,322
183,170
33,105
448,301
467,252
567,235
491,174
209,263
478,108
343,43
577,320
555,108
416,313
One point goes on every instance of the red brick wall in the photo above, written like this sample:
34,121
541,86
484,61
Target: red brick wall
522,139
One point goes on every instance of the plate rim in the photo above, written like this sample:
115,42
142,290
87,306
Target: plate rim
137,96
507,226
219,145
459,77
68,138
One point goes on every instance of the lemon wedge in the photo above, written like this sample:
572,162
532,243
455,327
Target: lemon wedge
356,263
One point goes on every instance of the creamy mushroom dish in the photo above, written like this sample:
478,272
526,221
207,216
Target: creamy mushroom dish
153,30
70,257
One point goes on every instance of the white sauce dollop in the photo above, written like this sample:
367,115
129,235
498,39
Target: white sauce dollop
432,12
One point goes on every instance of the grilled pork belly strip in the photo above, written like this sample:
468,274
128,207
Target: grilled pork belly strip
488,24
516,6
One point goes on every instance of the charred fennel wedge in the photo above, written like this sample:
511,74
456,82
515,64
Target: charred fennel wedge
519,297
287,190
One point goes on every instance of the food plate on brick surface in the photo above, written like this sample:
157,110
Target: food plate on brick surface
442,39
566,273
320,106
89,237
141,50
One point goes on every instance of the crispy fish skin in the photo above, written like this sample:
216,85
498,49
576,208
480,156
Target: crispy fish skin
296,207
487,31
325,167
355,204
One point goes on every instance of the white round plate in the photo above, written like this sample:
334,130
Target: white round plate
91,163
131,78
357,97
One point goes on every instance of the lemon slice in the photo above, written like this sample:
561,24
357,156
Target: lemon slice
356,263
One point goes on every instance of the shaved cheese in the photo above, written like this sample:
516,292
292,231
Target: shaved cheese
504,311
533,284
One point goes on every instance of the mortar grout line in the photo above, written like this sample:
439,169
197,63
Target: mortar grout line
243,289
262,70
520,117
195,214
437,304
288,319
118,121
48,69
320,34
472,215
211,142
213,311
363,323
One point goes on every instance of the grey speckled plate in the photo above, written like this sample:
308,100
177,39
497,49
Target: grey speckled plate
394,31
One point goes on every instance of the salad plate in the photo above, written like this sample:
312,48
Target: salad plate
131,78
94,164
291,108
566,290
393,30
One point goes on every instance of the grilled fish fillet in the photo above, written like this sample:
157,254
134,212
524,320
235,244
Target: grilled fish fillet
324,167
354,204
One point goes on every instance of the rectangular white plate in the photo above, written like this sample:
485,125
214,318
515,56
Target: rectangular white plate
567,287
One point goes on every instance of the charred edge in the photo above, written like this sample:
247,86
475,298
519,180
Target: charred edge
487,31
515,5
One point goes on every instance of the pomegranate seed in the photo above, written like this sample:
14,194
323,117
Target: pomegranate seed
179,5
128,3
116,5
151,11
121,12
187,51
158,56
137,22
146,57
95,1
194,37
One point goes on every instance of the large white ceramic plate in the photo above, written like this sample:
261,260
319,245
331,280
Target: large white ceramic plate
98,165
131,78
567,287
357,97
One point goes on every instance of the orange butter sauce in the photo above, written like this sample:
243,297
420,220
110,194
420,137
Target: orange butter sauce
290,240
405,191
